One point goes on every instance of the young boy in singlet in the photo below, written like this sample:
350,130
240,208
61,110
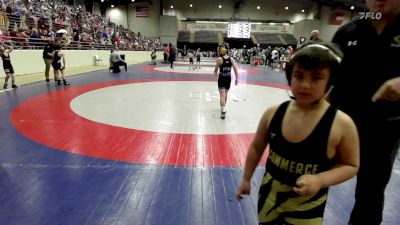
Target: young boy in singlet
153,56
59,65
311,144
198,58
8,68
190,55
225,64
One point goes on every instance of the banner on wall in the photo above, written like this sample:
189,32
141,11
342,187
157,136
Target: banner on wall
337,18
255,28
221,27
268,28
142,11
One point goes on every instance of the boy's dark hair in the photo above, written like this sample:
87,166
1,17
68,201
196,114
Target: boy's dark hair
314,55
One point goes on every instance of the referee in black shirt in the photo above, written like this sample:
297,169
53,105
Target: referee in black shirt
48,57
369,91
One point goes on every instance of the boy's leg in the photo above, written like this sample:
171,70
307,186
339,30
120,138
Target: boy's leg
63,76
56,76
6,80
13,85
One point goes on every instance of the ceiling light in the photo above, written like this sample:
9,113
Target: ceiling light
220,6
172,6
258,7
286,8
112,6
352,7
191,5
302,10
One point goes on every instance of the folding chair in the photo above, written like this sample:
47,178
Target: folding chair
98,60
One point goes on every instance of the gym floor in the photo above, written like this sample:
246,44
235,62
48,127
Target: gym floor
145,146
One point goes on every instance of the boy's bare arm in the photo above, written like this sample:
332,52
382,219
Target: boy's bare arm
347,154
9,49
258,144
63,57
235,69
217,65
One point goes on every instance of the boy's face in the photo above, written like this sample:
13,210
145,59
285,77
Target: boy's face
309,85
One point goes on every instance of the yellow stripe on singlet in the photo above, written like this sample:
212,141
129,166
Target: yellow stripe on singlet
290,205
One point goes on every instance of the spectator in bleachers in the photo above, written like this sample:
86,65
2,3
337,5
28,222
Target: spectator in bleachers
44,21
117,39
54,15
5,38
44,34
20,37
76,36
34,38
59,21
9,8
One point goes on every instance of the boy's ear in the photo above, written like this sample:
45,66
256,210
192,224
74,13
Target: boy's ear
289,70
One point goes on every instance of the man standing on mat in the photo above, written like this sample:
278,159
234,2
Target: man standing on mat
369,91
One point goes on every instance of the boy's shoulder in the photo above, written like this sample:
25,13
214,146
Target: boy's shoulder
270,112
342,117
343,124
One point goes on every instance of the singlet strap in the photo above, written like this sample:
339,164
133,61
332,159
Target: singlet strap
277,119
323,128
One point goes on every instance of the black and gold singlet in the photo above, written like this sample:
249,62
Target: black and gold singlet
287,161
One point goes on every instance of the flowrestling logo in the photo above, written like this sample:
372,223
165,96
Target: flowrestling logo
370,15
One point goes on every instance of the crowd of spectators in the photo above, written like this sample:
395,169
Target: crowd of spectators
30,23
273,57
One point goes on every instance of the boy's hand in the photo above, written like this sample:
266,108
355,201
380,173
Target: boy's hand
236,82
307,185
244,189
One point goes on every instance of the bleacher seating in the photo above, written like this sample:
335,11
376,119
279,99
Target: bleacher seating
183,36
206,37
268,38
289,38
31,24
